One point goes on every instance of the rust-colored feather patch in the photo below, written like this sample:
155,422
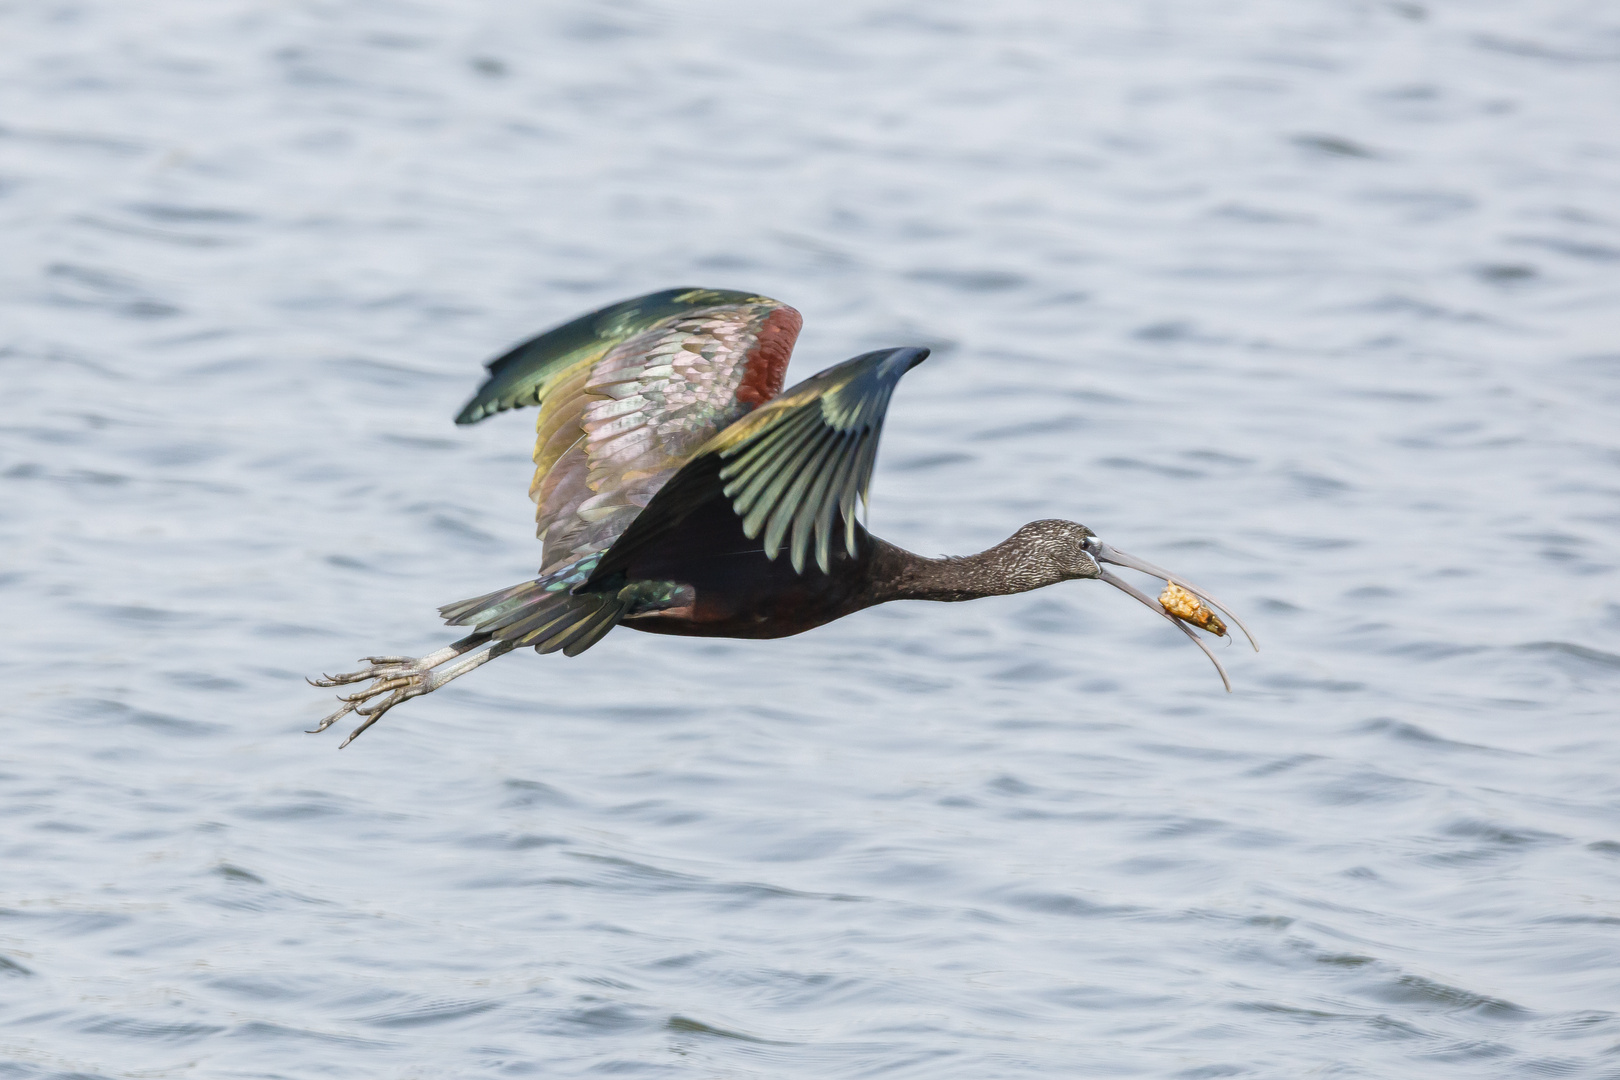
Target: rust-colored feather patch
767,363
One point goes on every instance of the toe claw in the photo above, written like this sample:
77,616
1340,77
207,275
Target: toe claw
394,668
383,684
330,720
375,713
337,680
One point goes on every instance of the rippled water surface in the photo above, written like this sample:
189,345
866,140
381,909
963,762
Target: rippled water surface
1318,303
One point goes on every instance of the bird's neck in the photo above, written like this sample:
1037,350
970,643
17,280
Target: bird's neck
898,574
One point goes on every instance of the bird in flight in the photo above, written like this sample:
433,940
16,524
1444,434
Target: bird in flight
680,490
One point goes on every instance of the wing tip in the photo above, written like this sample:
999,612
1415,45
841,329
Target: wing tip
480,408
906,357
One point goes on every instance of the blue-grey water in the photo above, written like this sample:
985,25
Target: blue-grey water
1315,302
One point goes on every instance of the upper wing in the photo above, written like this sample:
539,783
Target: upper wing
627,394
529,373
791,468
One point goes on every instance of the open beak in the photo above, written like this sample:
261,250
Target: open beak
1103,553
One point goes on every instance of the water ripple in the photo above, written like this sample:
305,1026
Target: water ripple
1313,303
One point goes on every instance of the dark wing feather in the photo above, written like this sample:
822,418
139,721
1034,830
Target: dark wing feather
792,468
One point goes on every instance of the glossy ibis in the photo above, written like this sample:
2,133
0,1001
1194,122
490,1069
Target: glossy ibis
680,491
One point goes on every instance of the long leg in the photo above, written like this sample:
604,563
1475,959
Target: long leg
402,679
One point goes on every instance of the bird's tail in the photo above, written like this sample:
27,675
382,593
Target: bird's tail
544,612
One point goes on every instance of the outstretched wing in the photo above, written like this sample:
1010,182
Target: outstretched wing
791,468
627,394
529,373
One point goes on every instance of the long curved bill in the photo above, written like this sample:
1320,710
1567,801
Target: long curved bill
1104,553
1137,594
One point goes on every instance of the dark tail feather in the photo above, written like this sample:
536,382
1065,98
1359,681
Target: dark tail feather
589,630
488,607
541,613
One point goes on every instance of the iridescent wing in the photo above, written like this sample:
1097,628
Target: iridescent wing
529,373
792,469
627,394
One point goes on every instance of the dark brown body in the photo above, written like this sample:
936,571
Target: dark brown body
738,592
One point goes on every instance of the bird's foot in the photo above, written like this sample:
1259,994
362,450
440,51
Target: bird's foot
397,679
401,677
379,667
400,682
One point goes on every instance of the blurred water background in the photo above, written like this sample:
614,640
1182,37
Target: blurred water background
1315,302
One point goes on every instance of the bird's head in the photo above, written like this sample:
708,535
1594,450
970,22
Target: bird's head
1047,552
